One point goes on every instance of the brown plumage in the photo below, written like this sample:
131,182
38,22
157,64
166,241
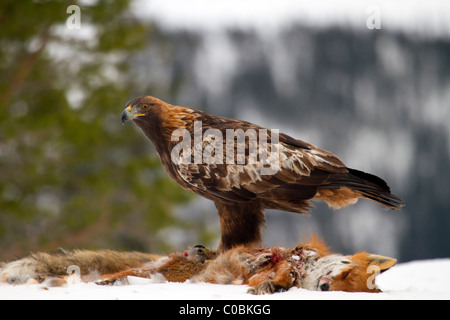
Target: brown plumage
237,182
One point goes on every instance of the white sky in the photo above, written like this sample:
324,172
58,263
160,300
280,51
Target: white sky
425,17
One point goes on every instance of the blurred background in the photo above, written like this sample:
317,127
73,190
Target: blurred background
366,80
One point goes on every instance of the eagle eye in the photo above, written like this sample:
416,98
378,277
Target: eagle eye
145,107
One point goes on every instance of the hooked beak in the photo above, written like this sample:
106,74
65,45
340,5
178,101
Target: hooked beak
128,114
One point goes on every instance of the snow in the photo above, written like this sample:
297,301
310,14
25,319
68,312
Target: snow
424,279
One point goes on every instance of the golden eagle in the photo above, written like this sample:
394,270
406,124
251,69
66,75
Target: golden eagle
245,168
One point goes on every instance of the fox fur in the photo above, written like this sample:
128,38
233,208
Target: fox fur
266,270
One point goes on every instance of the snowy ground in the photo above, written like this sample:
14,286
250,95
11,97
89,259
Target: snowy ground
425,279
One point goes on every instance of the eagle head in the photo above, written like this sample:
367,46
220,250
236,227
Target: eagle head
139,107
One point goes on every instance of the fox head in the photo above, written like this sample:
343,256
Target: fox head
334,272
345,273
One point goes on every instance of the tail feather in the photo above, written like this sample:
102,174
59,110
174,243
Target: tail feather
367,185
374,188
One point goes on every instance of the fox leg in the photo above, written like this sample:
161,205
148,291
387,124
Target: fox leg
121,277
178,268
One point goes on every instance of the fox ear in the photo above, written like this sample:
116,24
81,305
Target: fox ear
383,262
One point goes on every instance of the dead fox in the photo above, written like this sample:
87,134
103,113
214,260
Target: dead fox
266,270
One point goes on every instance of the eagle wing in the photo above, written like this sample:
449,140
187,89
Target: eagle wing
283,174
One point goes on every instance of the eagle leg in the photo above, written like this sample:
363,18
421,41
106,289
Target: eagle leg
241,223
